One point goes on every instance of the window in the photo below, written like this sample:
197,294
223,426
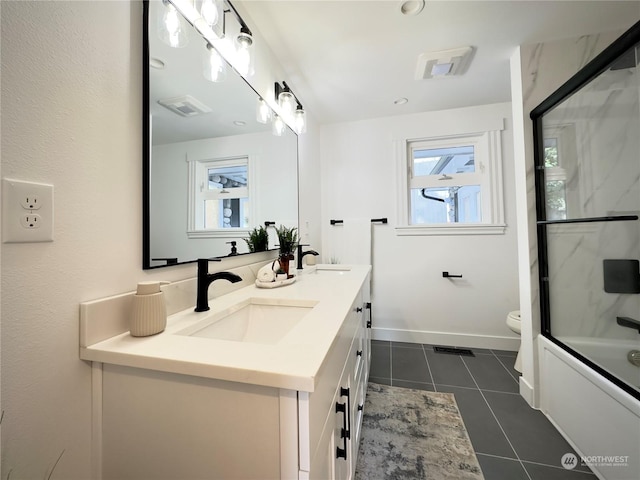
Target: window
452,185
555,180
219,197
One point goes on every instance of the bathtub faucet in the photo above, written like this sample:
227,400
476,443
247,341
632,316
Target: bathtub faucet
628,322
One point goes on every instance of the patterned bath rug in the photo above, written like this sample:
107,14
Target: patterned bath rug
412,434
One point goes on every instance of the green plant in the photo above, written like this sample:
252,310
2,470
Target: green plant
287,240
258,240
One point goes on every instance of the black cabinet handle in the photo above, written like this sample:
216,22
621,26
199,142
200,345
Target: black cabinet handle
345,433
448,275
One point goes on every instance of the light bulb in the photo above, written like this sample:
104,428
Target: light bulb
214,66
244,59
287,103
210,12
171,27
300,121
263,112
278,126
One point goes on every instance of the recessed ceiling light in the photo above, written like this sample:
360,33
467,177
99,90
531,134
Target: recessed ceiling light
156,63
400,101
240,123
411,7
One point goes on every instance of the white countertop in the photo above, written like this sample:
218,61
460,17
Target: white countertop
291,363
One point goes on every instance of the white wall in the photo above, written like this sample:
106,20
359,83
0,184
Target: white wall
536,72
411,300
72,117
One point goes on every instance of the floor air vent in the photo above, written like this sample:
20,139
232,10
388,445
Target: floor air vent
465,352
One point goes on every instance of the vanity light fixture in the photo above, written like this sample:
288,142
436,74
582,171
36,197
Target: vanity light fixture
214,66
244,51
290,107
263,111
171,26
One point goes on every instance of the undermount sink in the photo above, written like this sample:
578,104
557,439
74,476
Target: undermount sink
254,320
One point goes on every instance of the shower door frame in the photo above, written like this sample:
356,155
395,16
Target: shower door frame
590,71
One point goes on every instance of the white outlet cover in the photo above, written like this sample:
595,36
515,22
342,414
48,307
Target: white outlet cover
15,210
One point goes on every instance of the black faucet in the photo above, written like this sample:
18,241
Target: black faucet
301,254
205,279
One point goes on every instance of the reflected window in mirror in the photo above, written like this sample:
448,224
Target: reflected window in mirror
222,194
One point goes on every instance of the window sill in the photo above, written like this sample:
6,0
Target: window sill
219,233
459,229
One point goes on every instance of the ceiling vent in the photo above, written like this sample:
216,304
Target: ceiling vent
444,64
186,106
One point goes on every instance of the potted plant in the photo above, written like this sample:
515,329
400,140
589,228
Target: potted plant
258,240
288,241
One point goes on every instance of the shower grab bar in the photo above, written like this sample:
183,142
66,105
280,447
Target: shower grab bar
614,218
373,220
628,322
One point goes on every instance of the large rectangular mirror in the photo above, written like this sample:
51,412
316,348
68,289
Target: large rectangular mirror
211,171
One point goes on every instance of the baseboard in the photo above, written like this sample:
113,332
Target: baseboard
527,392
448,339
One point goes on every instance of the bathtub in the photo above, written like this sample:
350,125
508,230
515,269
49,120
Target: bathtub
599,419
611,355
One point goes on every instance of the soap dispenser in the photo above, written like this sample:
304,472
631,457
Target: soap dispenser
149,312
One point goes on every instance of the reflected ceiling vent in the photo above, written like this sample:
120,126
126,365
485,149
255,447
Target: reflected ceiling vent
185,106
445,63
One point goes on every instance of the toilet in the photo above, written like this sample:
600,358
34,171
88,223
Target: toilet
513,322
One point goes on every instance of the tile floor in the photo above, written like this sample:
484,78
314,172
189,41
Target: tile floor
512,441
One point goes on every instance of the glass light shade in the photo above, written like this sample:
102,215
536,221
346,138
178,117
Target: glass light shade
244,54
263,111
214,66
287,103
171,26
210,11
300,121
278,126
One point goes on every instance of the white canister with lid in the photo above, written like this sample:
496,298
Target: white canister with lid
149,312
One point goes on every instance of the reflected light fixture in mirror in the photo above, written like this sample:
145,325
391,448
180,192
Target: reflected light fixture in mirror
211,11
171,26
214,66
278,126
244,49
300,120
263,111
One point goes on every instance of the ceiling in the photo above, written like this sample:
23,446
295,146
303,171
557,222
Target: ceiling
350,60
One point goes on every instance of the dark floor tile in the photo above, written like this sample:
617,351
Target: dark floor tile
544,472
380,380
415,385
505,353
494,468
449,370
484,432
533,437
380,361
406,345
490,374
508,363
409,364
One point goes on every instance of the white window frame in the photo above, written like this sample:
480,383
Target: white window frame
488,160
197,177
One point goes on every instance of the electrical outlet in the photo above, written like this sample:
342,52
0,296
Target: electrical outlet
30,202
20,202
31,220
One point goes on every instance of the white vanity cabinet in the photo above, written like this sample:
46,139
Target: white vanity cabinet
163,425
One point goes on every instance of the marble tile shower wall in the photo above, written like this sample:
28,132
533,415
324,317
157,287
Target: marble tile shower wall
598,132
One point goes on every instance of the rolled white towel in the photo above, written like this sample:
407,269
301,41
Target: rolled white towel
266,274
